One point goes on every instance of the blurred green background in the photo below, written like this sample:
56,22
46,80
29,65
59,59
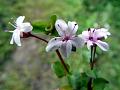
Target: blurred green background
28,67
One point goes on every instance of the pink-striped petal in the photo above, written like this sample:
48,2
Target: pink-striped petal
54,44
61,27
103,45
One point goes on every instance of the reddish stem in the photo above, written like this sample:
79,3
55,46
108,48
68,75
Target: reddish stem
38,38
57,52
62,61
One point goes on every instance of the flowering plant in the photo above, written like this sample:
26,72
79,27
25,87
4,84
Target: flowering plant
64,42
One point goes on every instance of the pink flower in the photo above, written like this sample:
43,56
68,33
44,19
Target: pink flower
94,36
67,39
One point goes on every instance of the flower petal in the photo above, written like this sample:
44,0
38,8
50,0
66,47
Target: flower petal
89,44
78,41
61,27
54,44
20,20
85,35
103,45
73,27
16,37
102,32
66,48
26,27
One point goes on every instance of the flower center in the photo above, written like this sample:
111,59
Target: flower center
91,38
66,38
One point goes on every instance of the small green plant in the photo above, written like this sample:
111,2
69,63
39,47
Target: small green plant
64,41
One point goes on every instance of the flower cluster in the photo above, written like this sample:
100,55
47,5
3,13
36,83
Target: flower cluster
67,36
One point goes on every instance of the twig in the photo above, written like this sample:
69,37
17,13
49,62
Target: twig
62,61
57,52
38,38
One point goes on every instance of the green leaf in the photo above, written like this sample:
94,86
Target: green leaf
53,19
99,83
50,28
91,73
58,69
78,81
84,79
39,26
46,27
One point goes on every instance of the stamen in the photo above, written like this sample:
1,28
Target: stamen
12,25
15,22
91,38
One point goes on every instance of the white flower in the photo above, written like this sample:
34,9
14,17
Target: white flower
94,36
67,39
20,28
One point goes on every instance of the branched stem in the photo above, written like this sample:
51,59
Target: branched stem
57,52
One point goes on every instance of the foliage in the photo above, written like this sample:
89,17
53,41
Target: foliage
58,69
46,27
